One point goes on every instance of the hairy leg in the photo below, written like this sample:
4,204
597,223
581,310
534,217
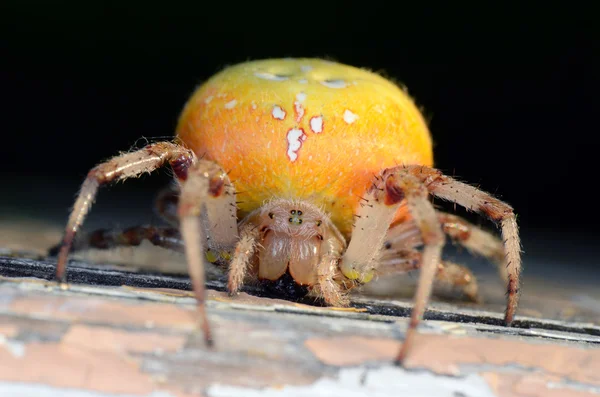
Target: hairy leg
458,276
127,165
328,284
473,199
412,184
449,274
245,250
165,237
476,240
405,236
374,217
207,213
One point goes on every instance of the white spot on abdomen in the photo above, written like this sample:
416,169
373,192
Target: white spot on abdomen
300,97
278,113
316,124
295,136
306,68
334,83
208,99
349,117
270,76
230,104
299,111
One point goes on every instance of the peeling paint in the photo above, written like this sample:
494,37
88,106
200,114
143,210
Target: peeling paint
27,390
16,348
381,382
581,365
98,339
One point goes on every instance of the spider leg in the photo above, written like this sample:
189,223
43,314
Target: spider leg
476,240
165,237
207,212
406,235
447,274
471,198
245,249
127,165
411,185
165,204
374,217
400,186
328,277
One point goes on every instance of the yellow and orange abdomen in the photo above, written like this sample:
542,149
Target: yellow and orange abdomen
304,129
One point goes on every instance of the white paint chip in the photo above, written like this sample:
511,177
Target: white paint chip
385,381
316,124
270,76
295,136
349,117
230,104
278,113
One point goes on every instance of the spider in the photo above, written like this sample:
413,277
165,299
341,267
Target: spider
327,167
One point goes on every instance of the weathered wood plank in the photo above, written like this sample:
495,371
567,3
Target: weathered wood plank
110,334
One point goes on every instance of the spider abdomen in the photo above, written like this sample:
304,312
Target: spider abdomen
305,129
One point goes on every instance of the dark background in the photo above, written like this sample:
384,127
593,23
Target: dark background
511,92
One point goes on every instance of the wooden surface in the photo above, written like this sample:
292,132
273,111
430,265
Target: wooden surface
130,331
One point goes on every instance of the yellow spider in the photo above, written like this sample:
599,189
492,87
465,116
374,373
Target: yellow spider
310,171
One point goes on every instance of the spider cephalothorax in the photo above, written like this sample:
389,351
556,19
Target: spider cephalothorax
294,236
334,166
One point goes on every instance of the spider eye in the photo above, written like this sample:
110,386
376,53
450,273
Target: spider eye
271,215
293,212
319,223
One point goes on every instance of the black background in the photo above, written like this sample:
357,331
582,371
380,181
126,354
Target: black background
511,92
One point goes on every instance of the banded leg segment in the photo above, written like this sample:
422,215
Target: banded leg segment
374,218
473,199
128,165
406,236
448,273
208,215
242,257
399,186
327,274
164,237
476,240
